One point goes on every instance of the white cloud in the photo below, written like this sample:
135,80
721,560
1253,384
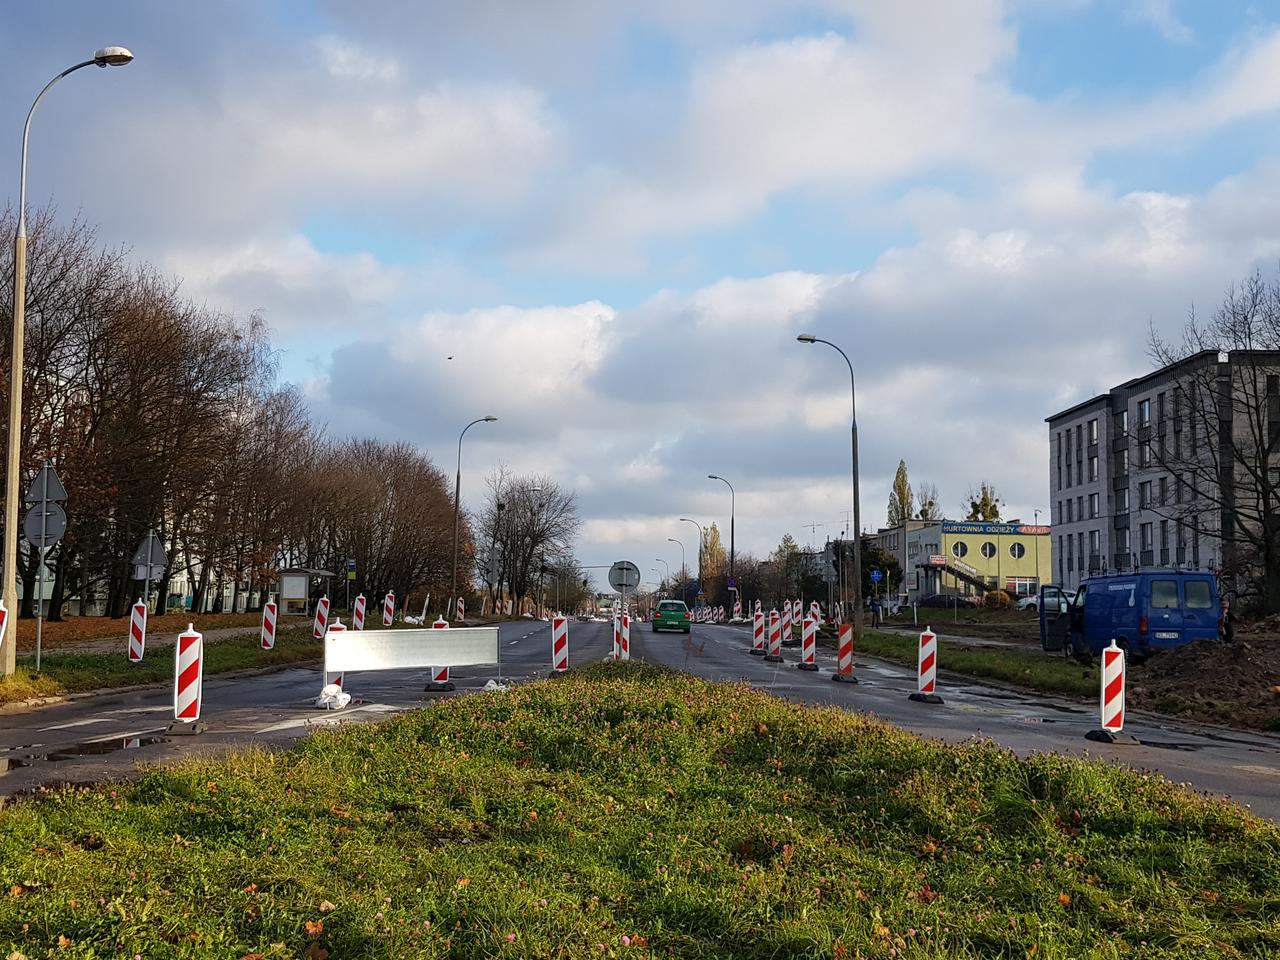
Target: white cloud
342,58
1159,14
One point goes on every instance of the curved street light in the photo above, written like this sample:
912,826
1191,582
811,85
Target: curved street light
857,517
684,569
457,487
732,498
105,57
701,541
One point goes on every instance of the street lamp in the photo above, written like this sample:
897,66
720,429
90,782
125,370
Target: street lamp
701,585
457,488
857,516
665,564
660,581
732,498
106,57
684,592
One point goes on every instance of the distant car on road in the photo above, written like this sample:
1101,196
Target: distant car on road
671,615
947,601
1033,602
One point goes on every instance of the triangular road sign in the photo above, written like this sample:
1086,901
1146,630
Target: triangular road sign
37,492
154,557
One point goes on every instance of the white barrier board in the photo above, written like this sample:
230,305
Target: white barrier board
355,650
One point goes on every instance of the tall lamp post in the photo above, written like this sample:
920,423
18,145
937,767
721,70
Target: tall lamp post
684,593
857,516
732,498
1036,514
106,57
665,564
457,488
701,585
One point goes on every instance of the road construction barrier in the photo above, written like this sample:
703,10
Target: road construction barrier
927,669
737,609
844,655
460,611
322,618
775,638
1111,698
137,632
438,676
389,609
759,608
815,611
617,638
626,636
757,634
188,681
357,613
267,638
786,620
431,648
559,644
4,623
808,645
335,627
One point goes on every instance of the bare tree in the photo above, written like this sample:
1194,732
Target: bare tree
1222,453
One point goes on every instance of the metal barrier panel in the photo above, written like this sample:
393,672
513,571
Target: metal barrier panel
355,650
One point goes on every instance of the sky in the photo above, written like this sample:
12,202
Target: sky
615,219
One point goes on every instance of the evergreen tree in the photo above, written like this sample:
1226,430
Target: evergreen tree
901,500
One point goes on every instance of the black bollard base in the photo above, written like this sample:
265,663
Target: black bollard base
180,729
844,678
1106,736
435,686
807,666
757,652
769,659
925,698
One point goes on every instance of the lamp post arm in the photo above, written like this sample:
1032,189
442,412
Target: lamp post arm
26,131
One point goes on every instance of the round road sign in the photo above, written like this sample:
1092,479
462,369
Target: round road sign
624,576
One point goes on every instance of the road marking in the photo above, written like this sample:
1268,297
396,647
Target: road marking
313,721
125,735
75,723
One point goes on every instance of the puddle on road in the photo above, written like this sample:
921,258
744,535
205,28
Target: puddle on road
92,748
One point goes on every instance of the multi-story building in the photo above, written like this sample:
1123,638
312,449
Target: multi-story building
1151,472
968,557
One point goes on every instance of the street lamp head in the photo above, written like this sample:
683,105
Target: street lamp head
112,56
687,520
807,338
713,476
489,419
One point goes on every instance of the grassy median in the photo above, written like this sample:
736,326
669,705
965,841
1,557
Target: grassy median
626,811
64,673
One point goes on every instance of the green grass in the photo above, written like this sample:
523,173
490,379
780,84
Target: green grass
1030,668
63,673
625,811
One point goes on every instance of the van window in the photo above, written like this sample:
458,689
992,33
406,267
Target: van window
1164,594
1199,596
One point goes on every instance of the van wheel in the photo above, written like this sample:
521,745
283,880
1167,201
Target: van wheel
1073,650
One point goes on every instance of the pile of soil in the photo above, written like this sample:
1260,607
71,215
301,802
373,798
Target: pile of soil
1236,683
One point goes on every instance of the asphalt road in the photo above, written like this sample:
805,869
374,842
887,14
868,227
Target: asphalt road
110,735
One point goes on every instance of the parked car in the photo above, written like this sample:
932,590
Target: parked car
1033,602
947,600
671,615
1142,612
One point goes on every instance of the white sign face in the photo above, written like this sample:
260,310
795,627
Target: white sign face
624,575
354,650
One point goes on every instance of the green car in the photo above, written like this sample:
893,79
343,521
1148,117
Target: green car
671,615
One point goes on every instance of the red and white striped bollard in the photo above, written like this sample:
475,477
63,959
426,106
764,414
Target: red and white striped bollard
927,669
559,644
267,638
808,645
1111,698
439,676
188,681
321,625
757,634
4,623
357,613
137,632
389,609
844,655
775,638
626,636
460,610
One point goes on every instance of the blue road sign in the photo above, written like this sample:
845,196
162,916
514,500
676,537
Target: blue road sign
876,576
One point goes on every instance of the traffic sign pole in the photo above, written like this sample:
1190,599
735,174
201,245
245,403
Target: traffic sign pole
40,549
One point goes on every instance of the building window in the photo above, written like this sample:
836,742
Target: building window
1079,471
1160,408
1067,436
1093,468
1060,520
1146,531
1122,501
1122,540
1122,423
1164,491
959,548
988,549
1144,494
1095,540
1079,508
1144,453
1122,463
1017,550
1164,534
1069,517
1093,431
1093,505
1144,413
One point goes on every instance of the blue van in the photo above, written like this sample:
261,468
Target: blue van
1145,611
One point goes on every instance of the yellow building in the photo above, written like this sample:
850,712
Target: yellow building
972,557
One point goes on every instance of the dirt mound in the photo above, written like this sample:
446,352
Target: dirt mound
1236,683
